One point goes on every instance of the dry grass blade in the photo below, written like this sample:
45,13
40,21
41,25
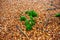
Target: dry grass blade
22,31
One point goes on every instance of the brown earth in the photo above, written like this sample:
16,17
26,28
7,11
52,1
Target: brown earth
47,26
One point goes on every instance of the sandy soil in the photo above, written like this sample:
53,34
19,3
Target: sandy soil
10,12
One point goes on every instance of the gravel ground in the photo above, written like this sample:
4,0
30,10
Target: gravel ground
47,26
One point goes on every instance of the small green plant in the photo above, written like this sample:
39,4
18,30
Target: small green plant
57,15
31,22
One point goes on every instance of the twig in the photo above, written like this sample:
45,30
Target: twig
22,31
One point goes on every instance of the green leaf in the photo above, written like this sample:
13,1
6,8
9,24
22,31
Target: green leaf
57,15
22,18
